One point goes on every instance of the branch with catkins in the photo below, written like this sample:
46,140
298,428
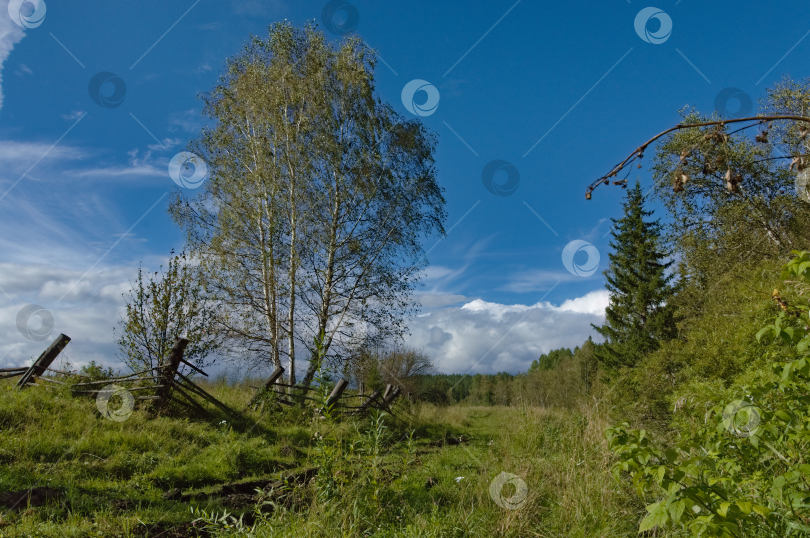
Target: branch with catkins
717,136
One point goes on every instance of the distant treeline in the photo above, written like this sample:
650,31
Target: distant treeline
561,377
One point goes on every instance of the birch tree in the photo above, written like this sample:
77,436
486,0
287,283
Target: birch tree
318,197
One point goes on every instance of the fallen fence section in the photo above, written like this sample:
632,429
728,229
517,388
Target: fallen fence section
335,400
167,382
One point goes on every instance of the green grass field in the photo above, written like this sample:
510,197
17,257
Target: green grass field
424,472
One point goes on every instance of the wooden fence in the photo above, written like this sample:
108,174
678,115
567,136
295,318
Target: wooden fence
337,401
169,385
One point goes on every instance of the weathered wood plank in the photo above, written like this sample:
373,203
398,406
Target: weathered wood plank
270,382
184,361
170,370
44,360
374,395
130,390
340,386
193,386
391,397
190,399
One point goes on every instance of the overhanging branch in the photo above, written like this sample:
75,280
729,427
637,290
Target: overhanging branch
639,152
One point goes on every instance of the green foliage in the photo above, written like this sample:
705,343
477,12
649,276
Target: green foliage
550,360
314,216
747,469
96,372
162,307
714,228
641,314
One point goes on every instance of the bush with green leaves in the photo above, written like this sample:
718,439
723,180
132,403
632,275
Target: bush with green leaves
746,472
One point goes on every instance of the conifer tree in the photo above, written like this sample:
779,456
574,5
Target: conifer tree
641,313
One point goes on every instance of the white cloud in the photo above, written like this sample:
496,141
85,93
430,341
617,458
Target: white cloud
10,35
23,70
168,143
73,116
594,302
18,156
485,337
87,314
475,337
139,165
436,272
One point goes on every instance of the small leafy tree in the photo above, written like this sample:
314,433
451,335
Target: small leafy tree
162,307
96,372
747,471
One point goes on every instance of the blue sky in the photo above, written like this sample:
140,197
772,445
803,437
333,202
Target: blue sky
561,91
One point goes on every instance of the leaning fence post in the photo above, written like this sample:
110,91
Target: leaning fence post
44,360
391,397
336,392
364,405
169,371
273,378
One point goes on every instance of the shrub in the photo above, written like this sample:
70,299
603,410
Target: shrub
747,470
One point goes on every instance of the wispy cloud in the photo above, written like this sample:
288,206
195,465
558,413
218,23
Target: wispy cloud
10,35
210,26
438,300
537,280
23,70
18,154
189,121
73,116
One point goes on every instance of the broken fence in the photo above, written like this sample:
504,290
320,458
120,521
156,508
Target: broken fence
169,384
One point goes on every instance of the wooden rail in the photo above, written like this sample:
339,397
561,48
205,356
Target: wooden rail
172,386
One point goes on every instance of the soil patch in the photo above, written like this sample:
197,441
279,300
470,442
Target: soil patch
243,494
22,499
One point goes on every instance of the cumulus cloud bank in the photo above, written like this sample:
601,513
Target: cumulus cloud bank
462,335
484,337
87,313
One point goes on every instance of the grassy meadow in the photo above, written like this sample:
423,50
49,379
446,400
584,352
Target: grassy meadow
426,470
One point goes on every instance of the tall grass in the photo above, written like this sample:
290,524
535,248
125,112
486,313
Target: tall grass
380,476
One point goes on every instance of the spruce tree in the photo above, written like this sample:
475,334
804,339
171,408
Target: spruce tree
640,315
